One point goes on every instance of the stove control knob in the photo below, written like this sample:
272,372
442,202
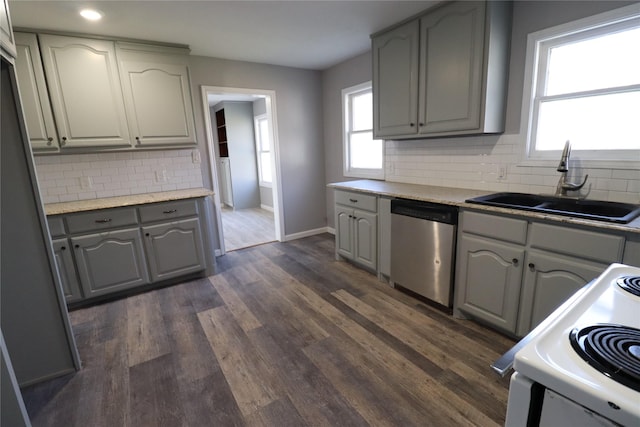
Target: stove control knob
613,405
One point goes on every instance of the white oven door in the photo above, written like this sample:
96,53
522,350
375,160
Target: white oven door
557,410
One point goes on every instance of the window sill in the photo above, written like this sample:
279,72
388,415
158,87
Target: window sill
365,175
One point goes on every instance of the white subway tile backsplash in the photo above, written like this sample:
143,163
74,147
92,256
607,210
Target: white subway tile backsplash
475,162
115,174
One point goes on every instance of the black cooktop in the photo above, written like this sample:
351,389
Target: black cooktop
630,284
613,350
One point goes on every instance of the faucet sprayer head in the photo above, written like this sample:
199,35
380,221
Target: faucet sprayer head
564,160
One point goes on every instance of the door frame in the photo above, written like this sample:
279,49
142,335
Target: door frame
276,187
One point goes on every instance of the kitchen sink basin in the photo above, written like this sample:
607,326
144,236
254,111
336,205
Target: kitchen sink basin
590,209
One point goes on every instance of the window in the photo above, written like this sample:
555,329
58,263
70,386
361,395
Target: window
584,86
263,150
363,155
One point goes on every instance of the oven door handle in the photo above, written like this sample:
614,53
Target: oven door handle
503,365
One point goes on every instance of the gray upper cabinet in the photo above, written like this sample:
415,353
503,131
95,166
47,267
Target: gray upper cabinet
7,44
33,92
86,96
444,73
395,81
157,97
451,57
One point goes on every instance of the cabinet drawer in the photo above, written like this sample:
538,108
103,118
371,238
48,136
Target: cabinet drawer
101,220
56,226
576,242
168,210
356,200
495,226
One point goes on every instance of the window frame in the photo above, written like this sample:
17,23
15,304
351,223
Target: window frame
258,139
538,45
347,170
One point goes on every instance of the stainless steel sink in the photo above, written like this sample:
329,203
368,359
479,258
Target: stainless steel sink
622,213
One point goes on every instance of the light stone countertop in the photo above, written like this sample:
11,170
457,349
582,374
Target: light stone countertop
120,201
457,197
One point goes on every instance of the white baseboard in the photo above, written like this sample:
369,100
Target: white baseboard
307,233
331,230
267,208
217,252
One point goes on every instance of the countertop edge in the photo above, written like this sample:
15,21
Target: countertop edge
457,197
123,201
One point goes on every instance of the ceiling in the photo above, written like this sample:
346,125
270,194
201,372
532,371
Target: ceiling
299,33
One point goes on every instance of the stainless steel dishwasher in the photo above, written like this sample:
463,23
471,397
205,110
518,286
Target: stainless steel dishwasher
423,248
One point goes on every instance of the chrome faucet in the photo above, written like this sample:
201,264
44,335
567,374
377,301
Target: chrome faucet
563,168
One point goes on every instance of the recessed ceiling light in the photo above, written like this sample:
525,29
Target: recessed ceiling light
91,14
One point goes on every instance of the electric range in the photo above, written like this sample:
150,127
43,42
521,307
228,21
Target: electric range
584,368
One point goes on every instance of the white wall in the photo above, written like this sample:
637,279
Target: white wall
474,162
115,174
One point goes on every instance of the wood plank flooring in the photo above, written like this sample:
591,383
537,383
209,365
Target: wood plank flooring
243,228
282,335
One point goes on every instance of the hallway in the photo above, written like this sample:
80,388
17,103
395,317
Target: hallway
247,227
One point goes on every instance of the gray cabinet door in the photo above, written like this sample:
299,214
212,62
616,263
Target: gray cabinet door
6,33
488,279
33,92
451,59
158,100
395,81
549,280
86,95
174,249
67,270
110,261
365,238
344,231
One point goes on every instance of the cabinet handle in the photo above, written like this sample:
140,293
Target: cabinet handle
420,124
64,140
77,246
137,140
515,261
412,124
353,200
532,266
147,234
103,221
170,212
63,248
49,140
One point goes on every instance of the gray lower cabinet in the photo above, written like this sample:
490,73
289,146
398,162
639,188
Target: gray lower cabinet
174,249
66,267
492,272
550,279
512,273
104,251
111,261
357,228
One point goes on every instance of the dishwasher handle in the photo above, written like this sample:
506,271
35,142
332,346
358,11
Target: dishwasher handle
424,210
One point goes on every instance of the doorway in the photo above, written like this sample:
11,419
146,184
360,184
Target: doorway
242,142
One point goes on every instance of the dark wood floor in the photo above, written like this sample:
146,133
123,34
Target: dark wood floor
282,335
